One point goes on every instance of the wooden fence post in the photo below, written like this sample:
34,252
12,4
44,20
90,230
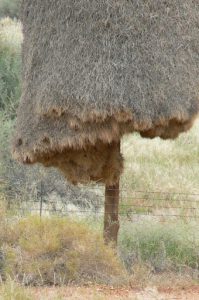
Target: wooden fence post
111,212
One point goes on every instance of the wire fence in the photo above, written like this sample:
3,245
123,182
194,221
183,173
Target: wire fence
140,204
134,203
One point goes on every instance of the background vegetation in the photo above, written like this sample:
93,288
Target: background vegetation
9,8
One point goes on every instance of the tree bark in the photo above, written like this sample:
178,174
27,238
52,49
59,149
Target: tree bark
111,212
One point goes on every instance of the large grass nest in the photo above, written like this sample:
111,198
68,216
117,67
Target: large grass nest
96,70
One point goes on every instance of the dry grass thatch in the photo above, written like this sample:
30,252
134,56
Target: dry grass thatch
95,70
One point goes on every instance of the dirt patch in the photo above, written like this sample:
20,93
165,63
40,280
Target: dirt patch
106,293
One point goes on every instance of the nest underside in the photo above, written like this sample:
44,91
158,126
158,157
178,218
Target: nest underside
84,152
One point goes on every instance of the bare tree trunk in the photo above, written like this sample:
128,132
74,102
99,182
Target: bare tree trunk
111,212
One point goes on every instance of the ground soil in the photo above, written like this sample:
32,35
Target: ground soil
106,293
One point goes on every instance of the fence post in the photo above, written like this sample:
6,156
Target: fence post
111,211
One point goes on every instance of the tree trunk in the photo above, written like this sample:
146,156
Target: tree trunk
111,212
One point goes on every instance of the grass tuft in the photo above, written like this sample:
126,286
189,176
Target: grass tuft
12,291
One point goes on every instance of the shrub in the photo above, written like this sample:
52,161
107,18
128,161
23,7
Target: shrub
58,251
9,8
10,68
10,64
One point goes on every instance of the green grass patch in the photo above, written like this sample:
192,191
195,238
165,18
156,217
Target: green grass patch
164,247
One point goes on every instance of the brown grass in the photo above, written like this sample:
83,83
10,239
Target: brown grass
55,251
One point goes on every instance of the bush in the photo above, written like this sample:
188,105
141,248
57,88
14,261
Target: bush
9,8
58,251
10,65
